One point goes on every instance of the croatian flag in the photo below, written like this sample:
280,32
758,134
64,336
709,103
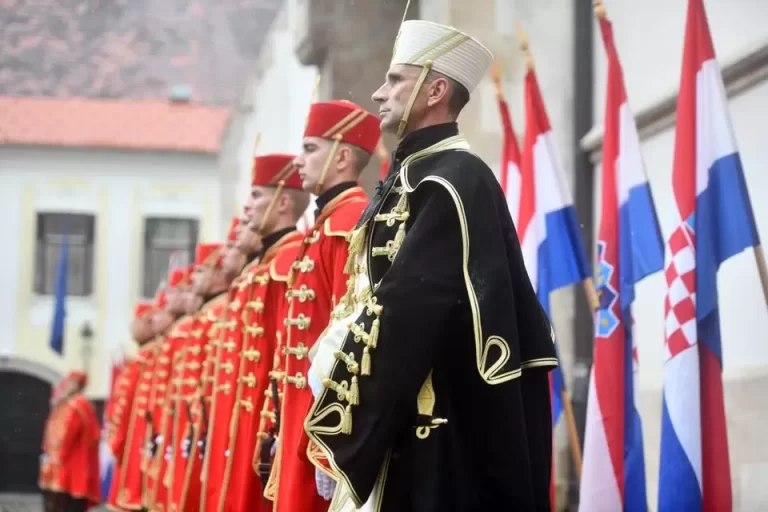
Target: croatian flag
629,248
547,225
715,222
510,163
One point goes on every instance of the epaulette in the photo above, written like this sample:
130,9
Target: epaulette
280,266
344,217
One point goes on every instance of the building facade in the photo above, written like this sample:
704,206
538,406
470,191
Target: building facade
123,198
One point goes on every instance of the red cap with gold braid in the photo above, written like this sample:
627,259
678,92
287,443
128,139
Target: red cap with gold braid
269,170
343,121
188,271
208,254
176,277
142,309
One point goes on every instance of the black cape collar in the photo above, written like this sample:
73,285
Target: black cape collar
423,138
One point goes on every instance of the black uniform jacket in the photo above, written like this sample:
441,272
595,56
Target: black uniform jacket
439,400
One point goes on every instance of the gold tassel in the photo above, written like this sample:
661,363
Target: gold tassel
402,203
348,299
353,397
349,266
357,239
373,336
365,365
346,421
399,237
356,246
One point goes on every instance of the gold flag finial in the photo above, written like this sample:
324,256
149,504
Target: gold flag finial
313,99
599,9
256,143
316,89
496,77
522,36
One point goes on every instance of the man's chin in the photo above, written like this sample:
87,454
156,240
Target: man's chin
388,125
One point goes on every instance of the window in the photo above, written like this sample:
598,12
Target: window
164,240
52,228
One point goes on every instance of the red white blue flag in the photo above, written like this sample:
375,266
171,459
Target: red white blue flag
714,222
629,248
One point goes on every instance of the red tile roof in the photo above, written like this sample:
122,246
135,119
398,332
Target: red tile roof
97,123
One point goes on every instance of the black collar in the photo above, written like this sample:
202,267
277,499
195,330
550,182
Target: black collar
423,138
272,238
412,143
330,194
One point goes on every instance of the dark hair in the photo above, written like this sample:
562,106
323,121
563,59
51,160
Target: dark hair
459,95
360,156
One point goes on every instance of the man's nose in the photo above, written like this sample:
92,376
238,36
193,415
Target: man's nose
378,96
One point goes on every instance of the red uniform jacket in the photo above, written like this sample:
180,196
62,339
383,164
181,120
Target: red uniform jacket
241,485
189,429
223,365
162,412
54,429
131,481
119,420
77,454
177,404
318,275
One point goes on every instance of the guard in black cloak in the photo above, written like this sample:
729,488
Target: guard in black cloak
430,383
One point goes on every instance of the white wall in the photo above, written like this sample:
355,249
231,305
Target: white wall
280,91
120,189
649,38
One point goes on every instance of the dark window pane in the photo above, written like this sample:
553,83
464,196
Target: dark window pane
166,239
78,231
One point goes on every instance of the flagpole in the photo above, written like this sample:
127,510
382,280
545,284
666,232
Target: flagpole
592,300
762,269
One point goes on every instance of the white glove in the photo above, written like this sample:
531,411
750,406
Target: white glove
273,450
325,485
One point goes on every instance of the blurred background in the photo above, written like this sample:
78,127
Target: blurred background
127,127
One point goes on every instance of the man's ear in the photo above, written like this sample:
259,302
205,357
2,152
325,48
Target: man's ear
343,157
284,203
437,91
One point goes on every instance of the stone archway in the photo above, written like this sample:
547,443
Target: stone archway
25,388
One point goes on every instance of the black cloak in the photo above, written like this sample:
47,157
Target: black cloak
440,400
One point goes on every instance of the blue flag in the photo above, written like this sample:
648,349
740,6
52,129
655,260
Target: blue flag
59,309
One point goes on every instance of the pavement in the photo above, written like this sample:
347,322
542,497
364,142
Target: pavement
28,503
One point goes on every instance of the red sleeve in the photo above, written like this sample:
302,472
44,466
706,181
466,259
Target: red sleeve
74,429
121,412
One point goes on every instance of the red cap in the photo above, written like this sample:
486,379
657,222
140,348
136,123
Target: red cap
142,308
208,254
176,278
345,121
161,300
77,377
232,235
188,270
270,170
